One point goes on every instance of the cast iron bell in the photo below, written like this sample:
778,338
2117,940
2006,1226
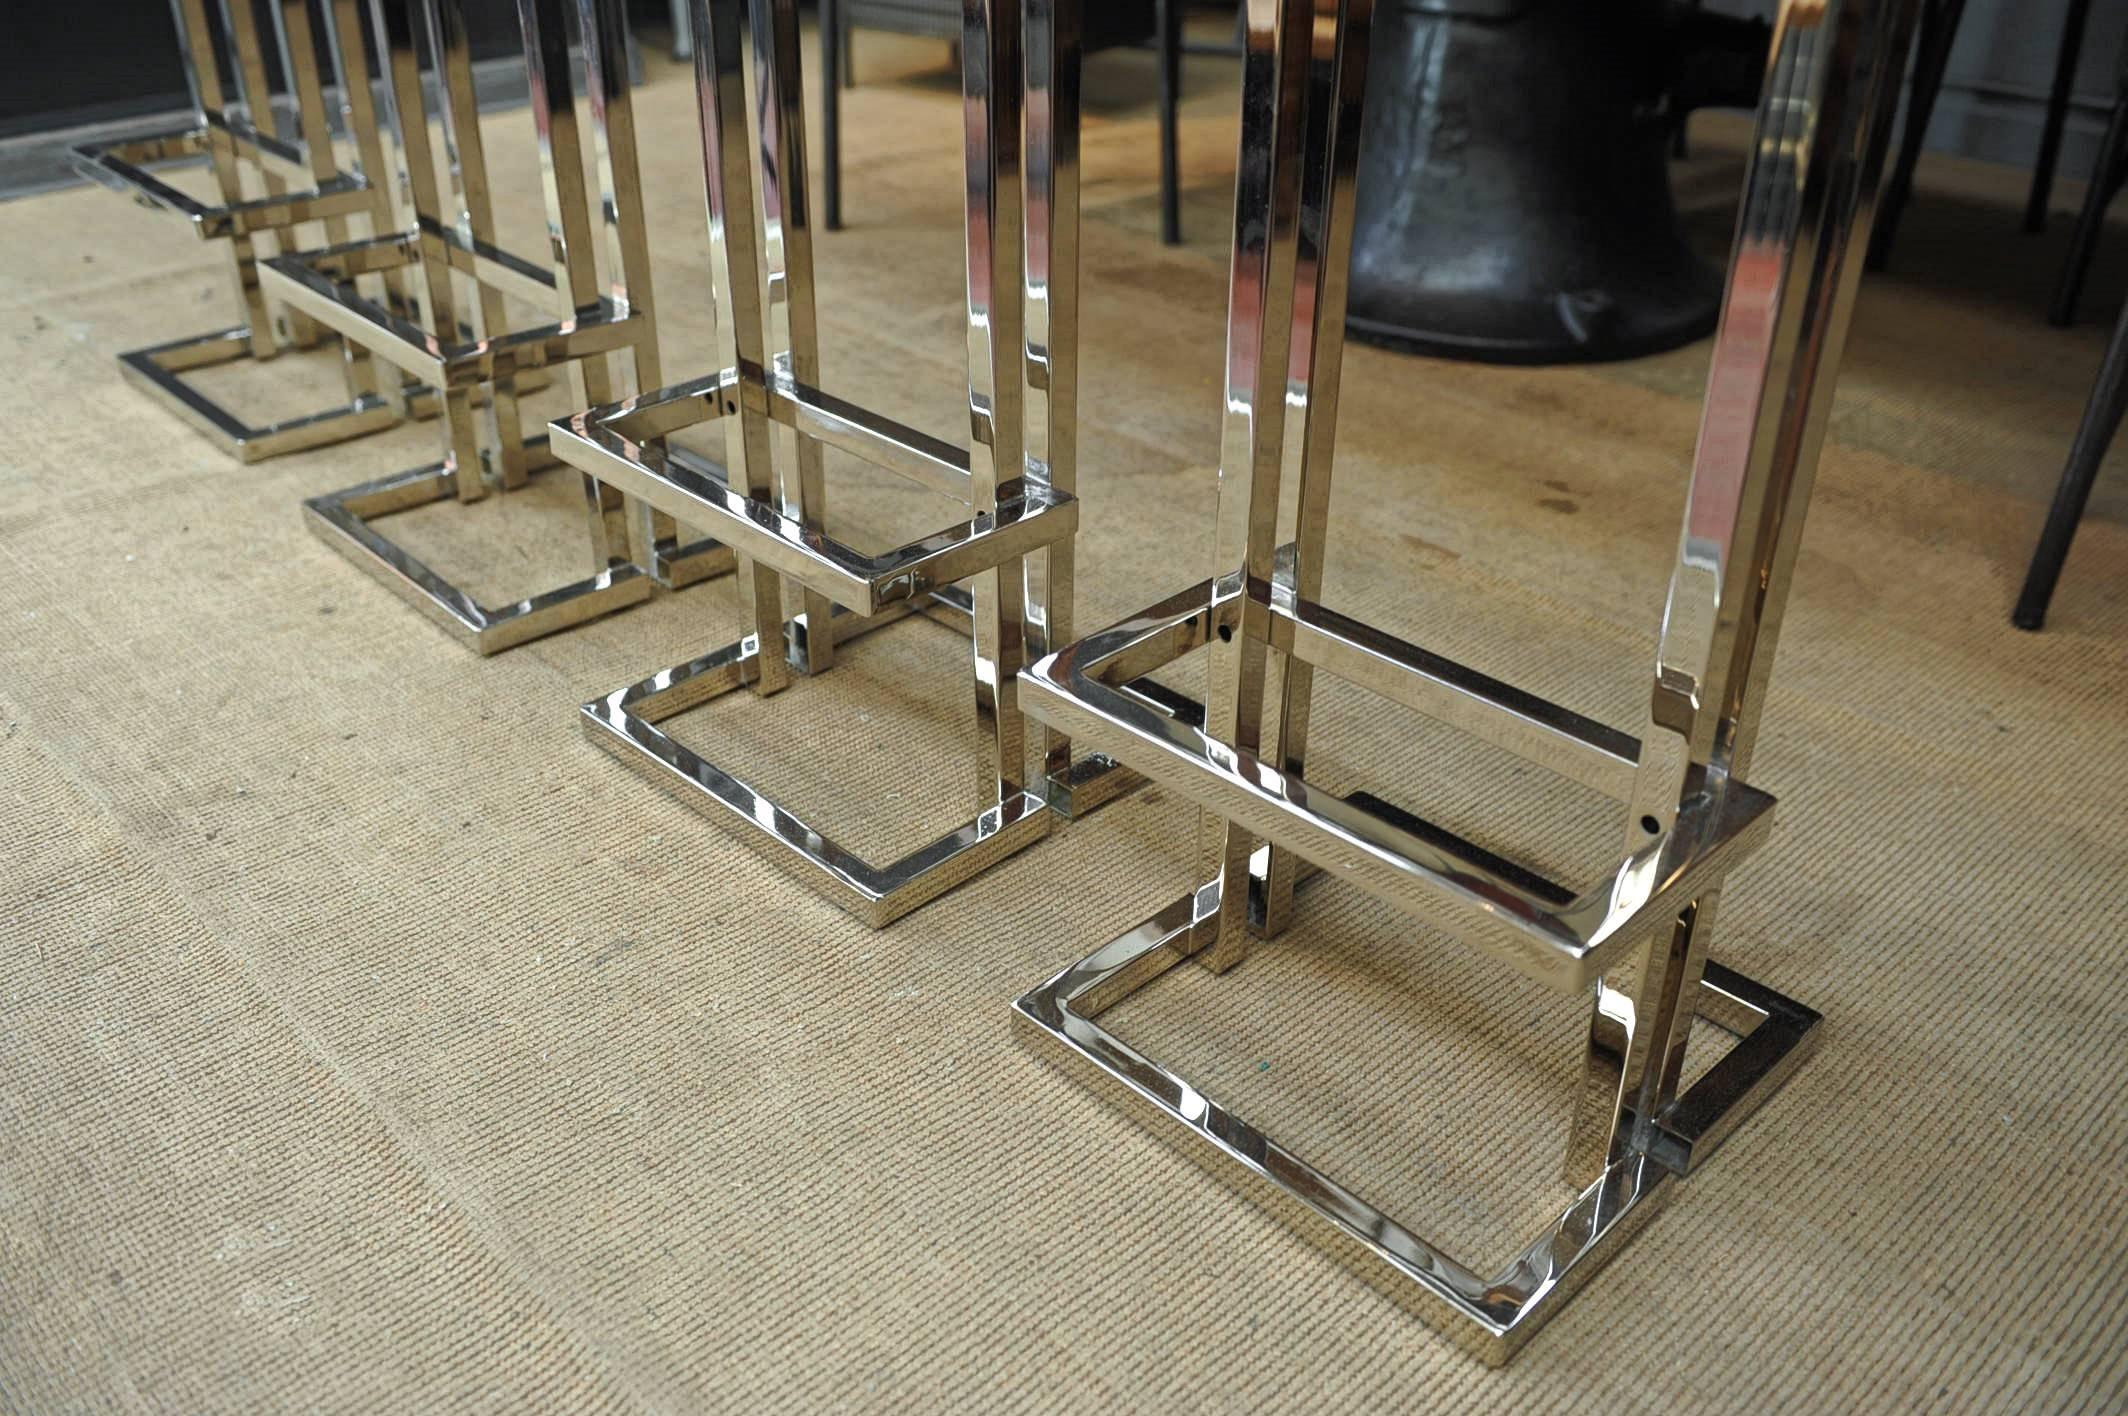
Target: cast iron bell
1513,199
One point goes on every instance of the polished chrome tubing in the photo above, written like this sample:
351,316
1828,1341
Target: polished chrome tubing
1002,572
429,296
271,196
1690,816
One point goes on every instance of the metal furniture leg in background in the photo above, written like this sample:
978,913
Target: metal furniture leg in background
1002,573
1932,55
233,129
454,333
2072,49
2107,174
833,58
2102,419
1689,817
1168,45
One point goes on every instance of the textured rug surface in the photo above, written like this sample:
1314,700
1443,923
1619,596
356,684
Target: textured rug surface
368,1040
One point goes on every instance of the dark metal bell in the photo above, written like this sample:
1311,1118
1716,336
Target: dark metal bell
1513,199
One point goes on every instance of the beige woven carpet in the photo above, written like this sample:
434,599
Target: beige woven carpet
370,1041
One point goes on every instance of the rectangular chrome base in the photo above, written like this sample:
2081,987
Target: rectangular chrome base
1489,1316
625,724
343,520
158,372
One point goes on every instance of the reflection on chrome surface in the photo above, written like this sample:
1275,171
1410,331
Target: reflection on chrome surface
1688,815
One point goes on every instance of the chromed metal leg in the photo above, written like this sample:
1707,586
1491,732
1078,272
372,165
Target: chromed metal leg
793,334
990,68
742,291
441,318
1690,815
1261,318
1002,575
259,208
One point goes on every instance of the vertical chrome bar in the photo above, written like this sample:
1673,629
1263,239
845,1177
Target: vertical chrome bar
787,223
545,30
299,60
561,178
739,282
408,111
358,108
473,214
1055,38
1809,196
604,27
1260,321
349,54
1322,270
990,98
201,55
254,105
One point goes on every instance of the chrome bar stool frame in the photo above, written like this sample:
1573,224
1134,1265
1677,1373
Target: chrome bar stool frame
460,279
1690,817
256,210
1005,573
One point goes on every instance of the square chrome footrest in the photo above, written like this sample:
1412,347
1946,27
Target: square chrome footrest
625,446
1561,937
123,165
1557,936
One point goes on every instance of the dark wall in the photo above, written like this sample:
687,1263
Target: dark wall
68,62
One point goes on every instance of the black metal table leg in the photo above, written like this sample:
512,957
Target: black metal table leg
1932,55
1169,41
2102,418
2105,182
831,55
2072,47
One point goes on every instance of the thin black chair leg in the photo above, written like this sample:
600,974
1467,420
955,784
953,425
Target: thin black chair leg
1939,29
1168,15
2072,47
831,54
2102,418
2105,182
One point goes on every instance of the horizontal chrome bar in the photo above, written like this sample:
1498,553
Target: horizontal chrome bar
932,463
1555,738
320,284
1537,927
1027,518
122,166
